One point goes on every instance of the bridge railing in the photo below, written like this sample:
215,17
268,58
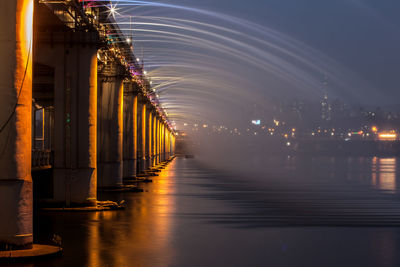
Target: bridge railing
42,159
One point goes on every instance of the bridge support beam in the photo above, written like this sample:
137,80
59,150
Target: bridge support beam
110,130
154,140
75,172
130,132
75,113
15,120
141,153
163,142
149,154
168,144
157,141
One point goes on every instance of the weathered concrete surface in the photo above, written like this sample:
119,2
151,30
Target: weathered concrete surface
110,132
141,152
130,133
75,124
15,119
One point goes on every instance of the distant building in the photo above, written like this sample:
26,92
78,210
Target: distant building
326,109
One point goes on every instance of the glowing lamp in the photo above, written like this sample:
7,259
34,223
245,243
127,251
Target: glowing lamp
387,136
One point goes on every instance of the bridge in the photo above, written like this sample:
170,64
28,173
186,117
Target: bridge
77,111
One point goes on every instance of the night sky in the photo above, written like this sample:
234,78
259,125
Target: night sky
363,35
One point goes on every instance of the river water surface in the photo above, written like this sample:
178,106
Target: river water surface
309,211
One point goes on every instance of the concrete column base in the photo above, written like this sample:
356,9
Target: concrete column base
15,214
75,187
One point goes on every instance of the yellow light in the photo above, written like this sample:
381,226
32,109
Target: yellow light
387,136
293,130
374,129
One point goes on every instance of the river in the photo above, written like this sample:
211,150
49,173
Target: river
296,211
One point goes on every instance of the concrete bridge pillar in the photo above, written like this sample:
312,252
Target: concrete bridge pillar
75,170
163,142
75,113
110,126
15,123
149,119
154,140
141,153
130,131
173,145
157,160
168,142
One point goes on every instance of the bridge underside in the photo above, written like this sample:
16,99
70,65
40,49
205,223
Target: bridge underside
73,115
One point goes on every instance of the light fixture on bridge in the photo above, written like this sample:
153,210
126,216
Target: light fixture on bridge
112,10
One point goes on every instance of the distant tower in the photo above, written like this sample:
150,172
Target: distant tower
326,108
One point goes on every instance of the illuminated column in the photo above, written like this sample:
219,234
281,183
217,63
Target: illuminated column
75,158
130,132
110,126
75,113
149,119
168,144
154,140
141,149
163,142
15,120
173,144
158,140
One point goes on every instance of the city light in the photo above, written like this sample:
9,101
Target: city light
256,122
387,136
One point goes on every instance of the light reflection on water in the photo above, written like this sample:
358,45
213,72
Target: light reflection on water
384,174
145,232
